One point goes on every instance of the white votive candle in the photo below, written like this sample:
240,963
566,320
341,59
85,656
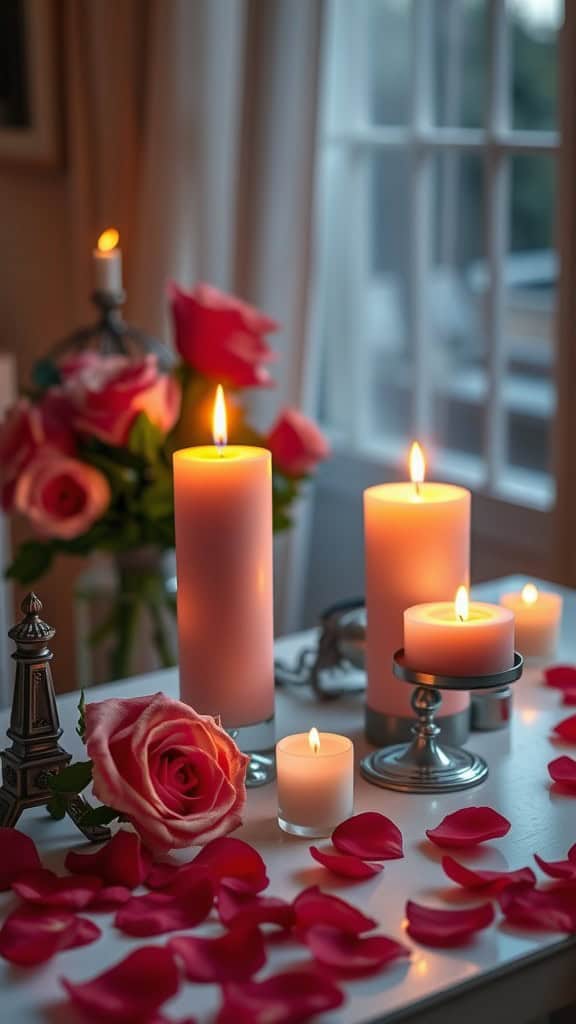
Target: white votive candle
315,773
107,262
537,615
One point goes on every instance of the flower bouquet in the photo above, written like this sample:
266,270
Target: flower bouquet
86,454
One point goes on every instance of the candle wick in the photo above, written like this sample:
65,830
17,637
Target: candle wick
417,487
220,448
461,618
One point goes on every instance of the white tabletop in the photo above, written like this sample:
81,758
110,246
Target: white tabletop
471,983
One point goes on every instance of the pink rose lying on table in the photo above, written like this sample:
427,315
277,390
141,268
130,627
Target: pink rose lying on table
62,497
296,443
106,394
222,337
177,776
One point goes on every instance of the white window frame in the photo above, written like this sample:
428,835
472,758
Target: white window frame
353,139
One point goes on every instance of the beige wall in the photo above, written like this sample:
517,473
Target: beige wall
35,310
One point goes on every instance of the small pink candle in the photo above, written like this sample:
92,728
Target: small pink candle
223,509
459,638
538,615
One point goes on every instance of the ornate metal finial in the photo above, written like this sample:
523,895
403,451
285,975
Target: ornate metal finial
32,629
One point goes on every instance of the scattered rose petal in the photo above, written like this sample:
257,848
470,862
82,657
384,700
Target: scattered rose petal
313,907
287,998
468,827
161,875
247,909
561,677
562,869
235,956
31,936
370,836
563,771
489,882
446,928
166,911
130,991
122,861
227,857
352,954
47,889
569,697
344,865
553,910
17,855
566,730
110,898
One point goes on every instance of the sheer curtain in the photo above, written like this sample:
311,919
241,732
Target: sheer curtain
191,127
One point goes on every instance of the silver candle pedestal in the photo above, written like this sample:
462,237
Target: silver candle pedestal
425,765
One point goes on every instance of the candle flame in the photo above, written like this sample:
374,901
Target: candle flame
314,740
462,604
219,421
529,594
108,240
417,465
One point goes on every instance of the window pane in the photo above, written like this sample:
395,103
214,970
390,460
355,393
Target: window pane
460,62
389,59
534,26
529,320
456,297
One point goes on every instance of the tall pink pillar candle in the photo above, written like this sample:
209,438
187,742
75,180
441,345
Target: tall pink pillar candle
417,540
223,510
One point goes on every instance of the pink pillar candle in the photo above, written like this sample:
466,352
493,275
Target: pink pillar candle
417,539
439,640
538,615
223,509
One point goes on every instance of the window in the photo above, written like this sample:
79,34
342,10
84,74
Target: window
438,268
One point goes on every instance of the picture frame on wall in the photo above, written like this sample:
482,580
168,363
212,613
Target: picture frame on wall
29,130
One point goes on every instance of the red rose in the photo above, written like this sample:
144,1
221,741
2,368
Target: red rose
296,443
177,775
107,393
26,430
61,496
222,337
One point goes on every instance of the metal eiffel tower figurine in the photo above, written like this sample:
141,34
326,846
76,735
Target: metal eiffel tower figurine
35,753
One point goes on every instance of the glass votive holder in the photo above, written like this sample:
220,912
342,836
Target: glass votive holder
315,774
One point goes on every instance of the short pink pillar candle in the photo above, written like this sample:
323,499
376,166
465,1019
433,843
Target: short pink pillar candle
538,616
459,638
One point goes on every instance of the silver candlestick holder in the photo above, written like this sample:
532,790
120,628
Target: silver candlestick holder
425,765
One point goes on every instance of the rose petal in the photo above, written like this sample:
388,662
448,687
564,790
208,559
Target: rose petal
17,855
352,954
122,861
490,882
563,869
313,907
166,911
47,889
287,998
446,928
561,677
552,910
468,827
569,697
227,857
344,865
161,875
110,898
370,836
234,956
30,936
132,990
567,729
563,771
249,910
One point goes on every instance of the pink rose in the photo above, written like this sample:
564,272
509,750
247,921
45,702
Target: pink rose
26,429
177,775
107,393
61,496
296,443
222,337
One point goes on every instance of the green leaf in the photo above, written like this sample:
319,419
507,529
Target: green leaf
146,439
56,808
72,779
81,726
99,815
33,559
